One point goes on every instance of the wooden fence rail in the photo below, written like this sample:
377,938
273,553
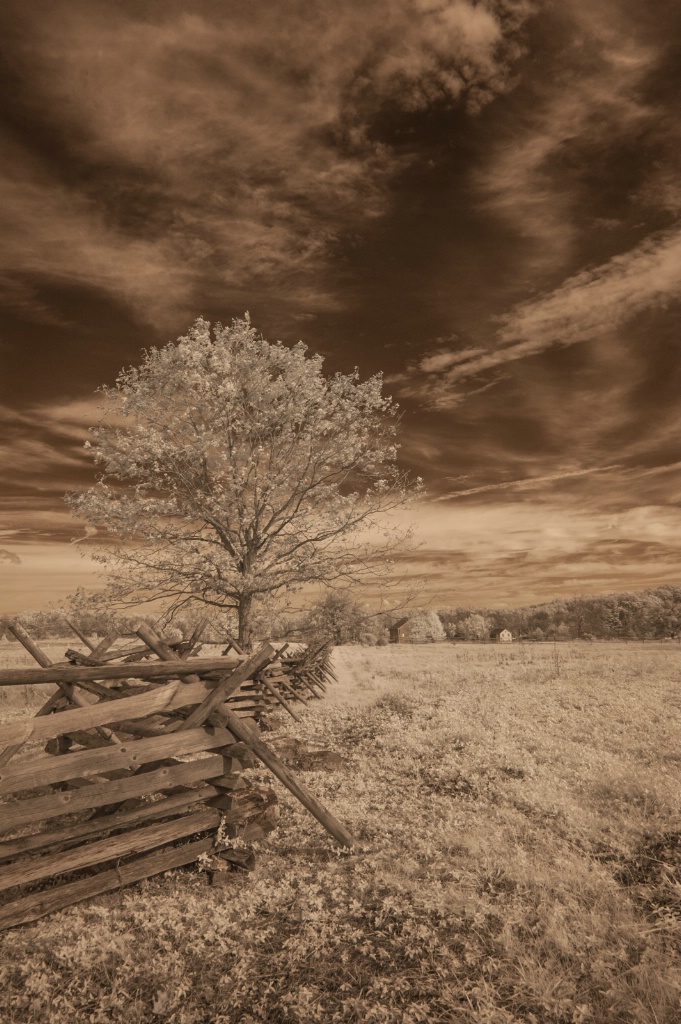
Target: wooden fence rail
143,748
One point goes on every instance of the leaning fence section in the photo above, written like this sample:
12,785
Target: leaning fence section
135,763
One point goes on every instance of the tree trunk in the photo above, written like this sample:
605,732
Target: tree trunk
245,606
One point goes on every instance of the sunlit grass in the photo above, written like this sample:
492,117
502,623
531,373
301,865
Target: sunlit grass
518,817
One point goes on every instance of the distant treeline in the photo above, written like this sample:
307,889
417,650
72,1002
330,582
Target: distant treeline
648,615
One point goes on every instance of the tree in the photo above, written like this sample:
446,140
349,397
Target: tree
234,470
339,618
448,617
426,626
475,627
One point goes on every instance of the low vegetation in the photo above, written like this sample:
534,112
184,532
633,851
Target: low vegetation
518,862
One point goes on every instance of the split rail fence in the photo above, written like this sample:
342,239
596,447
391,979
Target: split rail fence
141,768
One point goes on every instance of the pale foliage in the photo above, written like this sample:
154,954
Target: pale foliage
475,627
340,619
425,625
233,469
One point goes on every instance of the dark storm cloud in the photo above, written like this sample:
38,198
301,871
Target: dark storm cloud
588,175
160,153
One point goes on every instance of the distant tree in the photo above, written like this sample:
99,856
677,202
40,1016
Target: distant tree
340,619
42,623
644,615
426,626
449,619
233,470
475,627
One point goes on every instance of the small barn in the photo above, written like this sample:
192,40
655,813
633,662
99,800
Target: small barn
502,636
399,631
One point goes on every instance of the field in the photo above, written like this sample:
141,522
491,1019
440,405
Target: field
519,862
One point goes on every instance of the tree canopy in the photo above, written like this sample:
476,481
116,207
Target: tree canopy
233,469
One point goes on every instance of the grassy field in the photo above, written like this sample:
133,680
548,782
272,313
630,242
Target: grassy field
518,820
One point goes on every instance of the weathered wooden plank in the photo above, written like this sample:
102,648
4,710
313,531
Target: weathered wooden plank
303,681
105,643
155,643
125,652
136,840
9,752
170,697
269,685
155,726
78,658
227,685
30,645
248,735
39,904
193,641
316,677
329,670
67,689
81,636
231,642
175,804
45,771
101,794
239,805
157,670
62,744
285,684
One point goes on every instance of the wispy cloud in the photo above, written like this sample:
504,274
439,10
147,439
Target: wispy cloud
526,482
444,358
9,556
41,446
591,94
533,181
54,237
487,554
597,300
589,305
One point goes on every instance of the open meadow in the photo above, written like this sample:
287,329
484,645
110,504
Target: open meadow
518,816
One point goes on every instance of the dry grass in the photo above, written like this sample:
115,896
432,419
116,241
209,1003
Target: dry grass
520,829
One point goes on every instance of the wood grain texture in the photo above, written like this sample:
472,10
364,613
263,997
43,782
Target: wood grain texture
136,840
46,771
170,697
101,794
39,904
60,837
135,669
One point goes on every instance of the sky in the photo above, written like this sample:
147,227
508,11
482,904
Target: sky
482,200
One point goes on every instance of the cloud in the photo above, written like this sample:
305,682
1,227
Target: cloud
45,440
597,300
444,358
8,556
520,552
227,147
588,306
527,482
54,236
589,94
